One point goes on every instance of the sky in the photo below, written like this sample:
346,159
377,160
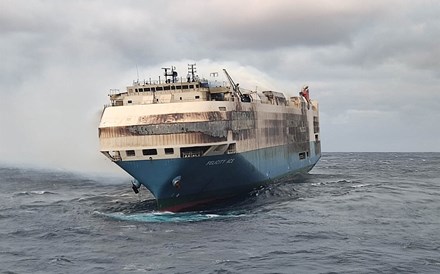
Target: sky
374,67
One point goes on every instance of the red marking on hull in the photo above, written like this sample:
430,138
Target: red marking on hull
189,205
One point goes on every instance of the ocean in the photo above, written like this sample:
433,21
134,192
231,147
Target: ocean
354,213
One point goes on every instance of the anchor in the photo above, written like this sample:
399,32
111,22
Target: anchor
135,185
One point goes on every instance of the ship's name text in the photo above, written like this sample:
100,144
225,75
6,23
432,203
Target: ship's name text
220,162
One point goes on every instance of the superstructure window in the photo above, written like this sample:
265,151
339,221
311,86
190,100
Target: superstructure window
130,153
302,155
146,89
147,152
184,86
197,97
169,151
158,88
166,88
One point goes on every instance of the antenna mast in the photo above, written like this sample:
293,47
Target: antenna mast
173,74
192,72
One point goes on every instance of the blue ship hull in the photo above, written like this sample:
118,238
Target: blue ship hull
206,179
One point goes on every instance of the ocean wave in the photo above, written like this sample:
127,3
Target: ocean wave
34,192
361,185
167,217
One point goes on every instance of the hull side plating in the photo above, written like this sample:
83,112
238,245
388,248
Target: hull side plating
204,179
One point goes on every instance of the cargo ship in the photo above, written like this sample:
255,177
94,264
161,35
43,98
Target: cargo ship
192,141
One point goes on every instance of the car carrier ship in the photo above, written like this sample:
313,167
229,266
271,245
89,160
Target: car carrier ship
191,141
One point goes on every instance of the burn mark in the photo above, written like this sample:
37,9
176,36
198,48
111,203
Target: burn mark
315,124
243,120
183,117
318,147
244,134
213,128
216,124
257,129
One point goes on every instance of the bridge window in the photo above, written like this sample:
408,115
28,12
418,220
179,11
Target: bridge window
130,153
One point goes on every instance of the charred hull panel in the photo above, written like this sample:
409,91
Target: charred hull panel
205,179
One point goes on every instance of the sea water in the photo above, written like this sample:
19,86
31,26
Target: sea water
354,213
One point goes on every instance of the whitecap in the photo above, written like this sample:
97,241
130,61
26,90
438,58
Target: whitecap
167,217
41,192
34,192
361,185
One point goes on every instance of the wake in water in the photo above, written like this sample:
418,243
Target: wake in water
168,217
238,207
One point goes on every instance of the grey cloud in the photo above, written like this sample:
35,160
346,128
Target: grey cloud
277,24
403,37
373,66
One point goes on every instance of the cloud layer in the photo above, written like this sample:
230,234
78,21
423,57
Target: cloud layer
374,67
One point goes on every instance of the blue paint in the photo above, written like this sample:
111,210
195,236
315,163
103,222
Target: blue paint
216,176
